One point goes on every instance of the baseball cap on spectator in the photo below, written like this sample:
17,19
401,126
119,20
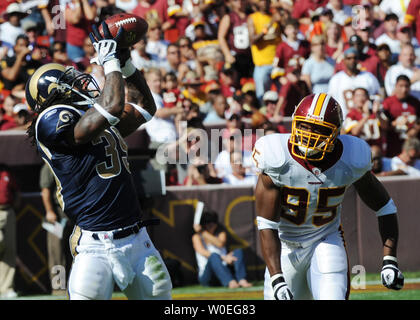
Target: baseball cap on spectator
14,8
19,107
29,24
383,46
271,96
248,86
211,86
355,40
391,16
191,79
350,51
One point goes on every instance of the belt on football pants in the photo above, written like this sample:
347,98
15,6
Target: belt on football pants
125,232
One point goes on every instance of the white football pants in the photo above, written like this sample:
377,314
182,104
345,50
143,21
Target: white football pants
318,272
133,263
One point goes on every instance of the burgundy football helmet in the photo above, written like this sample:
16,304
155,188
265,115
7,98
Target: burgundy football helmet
315,126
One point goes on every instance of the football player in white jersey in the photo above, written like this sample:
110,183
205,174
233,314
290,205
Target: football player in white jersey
301,185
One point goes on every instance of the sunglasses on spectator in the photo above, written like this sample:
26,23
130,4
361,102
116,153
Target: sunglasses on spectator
59,50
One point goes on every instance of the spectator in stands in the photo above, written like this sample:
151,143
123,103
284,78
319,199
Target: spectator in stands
303,8
342,84
380,164
156,47
318,69
54,19
59,55
161,128
234,39
147,9
16,69
391,6
334,43
264,34
366,119
31,31
173,61
407,162
411,17
390,35
291,51
11,29
192,84
79,16
405,35
407,67
239,175
59,253
217,266
187,52
217,113
9,200
8,119
340,11
270,100
384,54
140,58
22,116
402,110
201,173
292,91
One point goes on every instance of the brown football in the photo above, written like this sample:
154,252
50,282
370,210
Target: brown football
134,26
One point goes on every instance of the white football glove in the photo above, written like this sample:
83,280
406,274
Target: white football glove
391,276
280,288
106,48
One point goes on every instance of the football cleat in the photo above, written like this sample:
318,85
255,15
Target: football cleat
316,125
54,83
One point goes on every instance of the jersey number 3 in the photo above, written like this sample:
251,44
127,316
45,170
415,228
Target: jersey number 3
112,166
297,200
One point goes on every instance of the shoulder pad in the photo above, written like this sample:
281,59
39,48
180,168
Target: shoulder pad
54,122
356,153
268,152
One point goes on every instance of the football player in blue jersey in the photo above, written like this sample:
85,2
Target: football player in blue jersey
79,132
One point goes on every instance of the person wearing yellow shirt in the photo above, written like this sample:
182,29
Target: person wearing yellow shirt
264,34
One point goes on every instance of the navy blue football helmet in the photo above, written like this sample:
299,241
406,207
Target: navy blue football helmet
54,82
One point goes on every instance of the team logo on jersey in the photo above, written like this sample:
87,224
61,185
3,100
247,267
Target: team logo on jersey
64,119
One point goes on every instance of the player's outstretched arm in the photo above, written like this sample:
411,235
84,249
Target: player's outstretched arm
142,106
267,206
375,196
109,106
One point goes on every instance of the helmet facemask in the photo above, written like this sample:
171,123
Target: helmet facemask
313,138
79,88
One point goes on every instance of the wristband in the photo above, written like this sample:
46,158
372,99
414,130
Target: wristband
263,223
111,66
112,120
391,258
389,208
128,69
276,279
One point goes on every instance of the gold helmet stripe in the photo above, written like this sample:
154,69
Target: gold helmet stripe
33,84
319,104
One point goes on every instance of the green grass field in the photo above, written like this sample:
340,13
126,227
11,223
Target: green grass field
373,291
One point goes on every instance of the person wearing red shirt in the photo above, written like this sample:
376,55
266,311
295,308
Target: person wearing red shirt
292,51
403,111
365,119
79,16
9,196
302,9
412,15
150,9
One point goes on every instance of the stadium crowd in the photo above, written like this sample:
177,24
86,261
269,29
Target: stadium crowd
238,64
